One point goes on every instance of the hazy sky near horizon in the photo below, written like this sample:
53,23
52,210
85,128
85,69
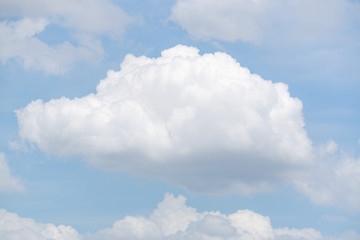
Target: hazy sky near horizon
179,119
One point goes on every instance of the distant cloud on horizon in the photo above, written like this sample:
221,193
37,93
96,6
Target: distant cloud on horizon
172,219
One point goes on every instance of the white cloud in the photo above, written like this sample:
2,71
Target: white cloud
171,220
92,16
8,182
200,121
174,220
333,181
14,227
228,20
267,21
86,20
328,149
18,40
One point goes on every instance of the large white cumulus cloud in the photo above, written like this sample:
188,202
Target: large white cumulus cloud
203,116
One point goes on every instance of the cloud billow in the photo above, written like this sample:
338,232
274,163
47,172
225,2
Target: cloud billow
203,116
171,220
14,227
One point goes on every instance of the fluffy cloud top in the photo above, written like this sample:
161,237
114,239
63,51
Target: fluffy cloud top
174,220
14,227
203,116
86,19
171,220
264,20
8,183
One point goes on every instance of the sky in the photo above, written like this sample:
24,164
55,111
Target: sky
181,119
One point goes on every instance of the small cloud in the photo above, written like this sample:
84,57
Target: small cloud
19,40
333,181
8,182
329,148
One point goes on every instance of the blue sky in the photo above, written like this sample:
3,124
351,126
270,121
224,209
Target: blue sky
179,119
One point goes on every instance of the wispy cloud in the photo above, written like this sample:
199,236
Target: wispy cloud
85,20
267,21
333,181
8,182
18,41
